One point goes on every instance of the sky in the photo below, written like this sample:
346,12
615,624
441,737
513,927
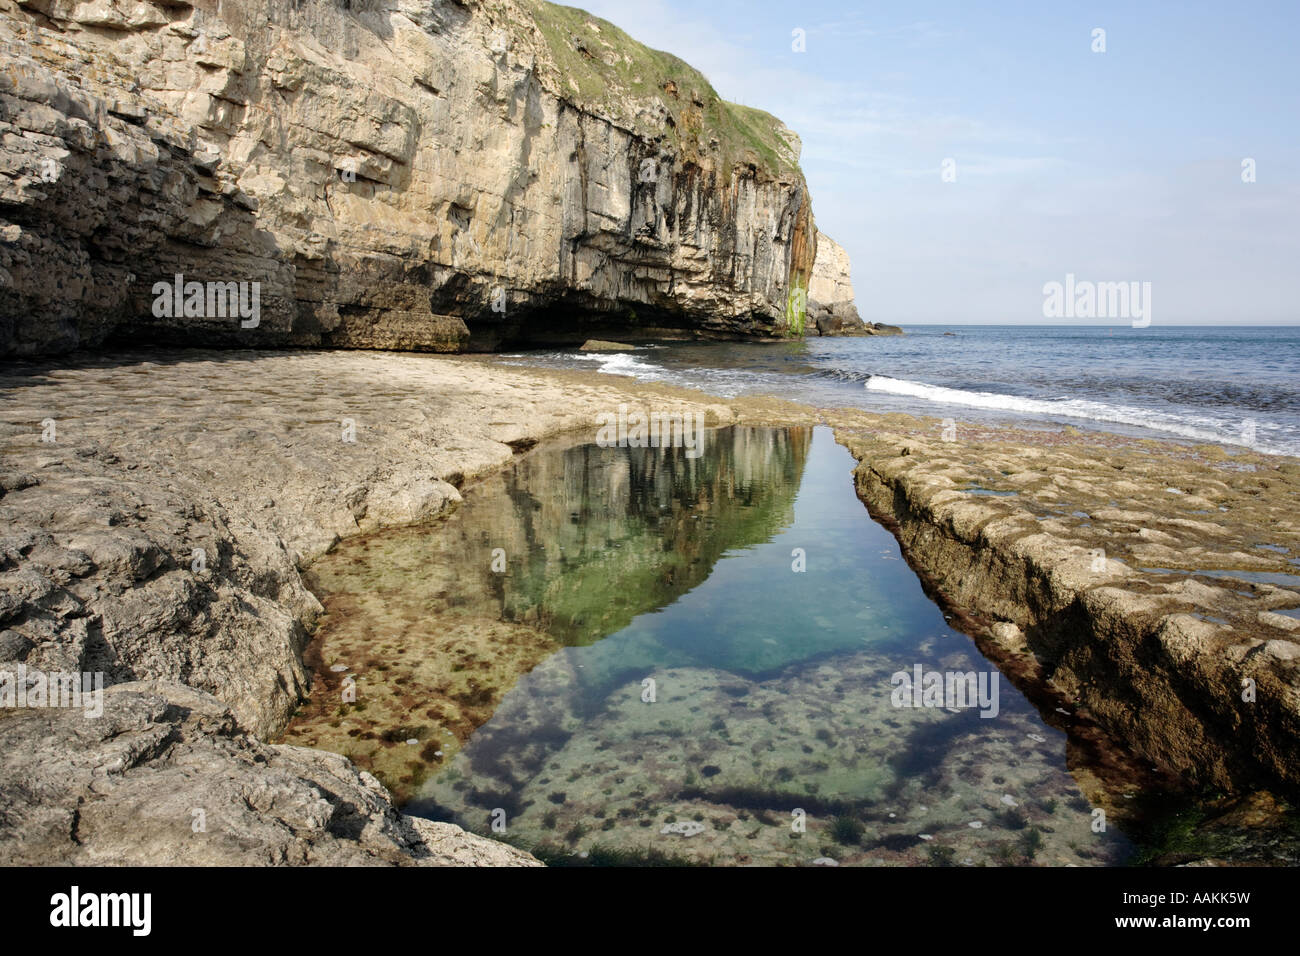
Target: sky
1117,166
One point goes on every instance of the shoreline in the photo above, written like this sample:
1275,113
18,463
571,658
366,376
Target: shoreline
257,472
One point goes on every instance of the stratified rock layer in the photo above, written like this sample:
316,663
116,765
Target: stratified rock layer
393,174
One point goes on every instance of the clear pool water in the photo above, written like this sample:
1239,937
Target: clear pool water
713,646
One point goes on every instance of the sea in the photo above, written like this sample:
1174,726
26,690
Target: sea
1235,386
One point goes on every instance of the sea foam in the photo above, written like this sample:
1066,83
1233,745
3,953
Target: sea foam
1185,426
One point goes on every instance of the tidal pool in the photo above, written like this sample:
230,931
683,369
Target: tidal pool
629,655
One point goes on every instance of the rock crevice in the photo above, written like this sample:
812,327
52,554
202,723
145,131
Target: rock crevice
1198,678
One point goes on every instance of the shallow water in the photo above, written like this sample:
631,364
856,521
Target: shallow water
650,674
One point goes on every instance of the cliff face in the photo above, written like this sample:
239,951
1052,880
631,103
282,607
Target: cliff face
830,284
831,309
393,174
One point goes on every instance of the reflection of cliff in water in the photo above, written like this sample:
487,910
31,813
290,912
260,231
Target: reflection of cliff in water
590,538
595,536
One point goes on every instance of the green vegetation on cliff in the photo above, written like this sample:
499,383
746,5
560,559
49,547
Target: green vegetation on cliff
796,308
607,72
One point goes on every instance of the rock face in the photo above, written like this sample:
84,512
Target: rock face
831,287
390,173
831,309
164,778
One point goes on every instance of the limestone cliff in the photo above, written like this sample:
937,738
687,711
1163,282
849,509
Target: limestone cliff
830,284
401,174
831,309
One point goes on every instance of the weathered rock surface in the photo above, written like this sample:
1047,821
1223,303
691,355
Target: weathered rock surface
164,778
159,534
1073,561
395,174
155,511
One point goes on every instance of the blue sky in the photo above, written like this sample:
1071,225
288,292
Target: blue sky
1114,166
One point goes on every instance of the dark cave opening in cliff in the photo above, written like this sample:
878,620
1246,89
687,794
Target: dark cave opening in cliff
565,324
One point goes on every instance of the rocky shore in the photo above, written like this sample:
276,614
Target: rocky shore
154,528
1131,576
422,177
158,510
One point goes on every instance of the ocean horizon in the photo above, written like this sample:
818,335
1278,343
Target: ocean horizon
1232,385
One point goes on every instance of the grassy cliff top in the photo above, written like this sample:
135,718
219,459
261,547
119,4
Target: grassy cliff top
603,70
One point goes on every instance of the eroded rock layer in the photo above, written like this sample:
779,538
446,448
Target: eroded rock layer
1140,581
